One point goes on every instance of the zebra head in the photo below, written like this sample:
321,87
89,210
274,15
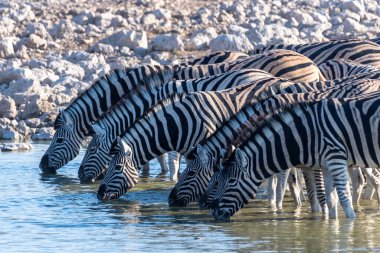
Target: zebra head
65,145
97,155
205,200
232,192
195,177
121,175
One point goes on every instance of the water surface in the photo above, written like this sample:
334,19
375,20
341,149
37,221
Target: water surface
56,214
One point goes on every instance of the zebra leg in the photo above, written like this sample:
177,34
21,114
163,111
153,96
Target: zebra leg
293,181
374,179
271,192
311,190
282,179
174,159
357,182
300,184
337,167
331,200
320,188
162,161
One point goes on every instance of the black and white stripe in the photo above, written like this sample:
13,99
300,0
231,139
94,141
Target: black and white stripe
203,161
337,69
117,121
330,134
360,51
280,62
180,124
72,124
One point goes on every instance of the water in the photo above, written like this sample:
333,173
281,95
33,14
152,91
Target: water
56,213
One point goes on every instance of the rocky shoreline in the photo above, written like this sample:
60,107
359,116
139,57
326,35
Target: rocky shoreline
51,51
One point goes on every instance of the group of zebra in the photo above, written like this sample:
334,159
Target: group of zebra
238,119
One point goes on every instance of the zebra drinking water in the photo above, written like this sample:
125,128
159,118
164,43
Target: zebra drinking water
280,62
72,124
203,160
331,134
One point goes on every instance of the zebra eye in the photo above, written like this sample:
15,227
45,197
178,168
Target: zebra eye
232,181
191,173
60,140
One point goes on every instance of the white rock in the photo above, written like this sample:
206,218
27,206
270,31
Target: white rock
44,133
36,28
355,6
78,56
227,42
126,38
11,134
104,20
102,48
149,19
66,68
24,14
352,26
320,17
6,48
33,123
65,28
47,76
84,17
7,107
36,107
23,85
200,40
12,74
166,42
36,42
16,147
7,26
303,18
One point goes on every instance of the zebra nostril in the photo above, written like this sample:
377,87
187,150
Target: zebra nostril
102,191
44,164
173,196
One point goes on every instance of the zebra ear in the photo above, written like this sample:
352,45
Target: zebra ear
60,120
241,158
115,148
123,146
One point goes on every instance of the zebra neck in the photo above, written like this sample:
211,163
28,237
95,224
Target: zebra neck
106,92
280,144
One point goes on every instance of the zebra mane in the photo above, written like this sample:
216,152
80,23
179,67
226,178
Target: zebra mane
172,98
148,85
151,80
261,121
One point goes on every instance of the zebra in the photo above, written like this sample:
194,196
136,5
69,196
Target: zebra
360,51
376,40
312,134
117,121
72,124
336,69
173,125
202,161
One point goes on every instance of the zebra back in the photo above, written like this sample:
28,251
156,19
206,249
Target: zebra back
360,51
337,69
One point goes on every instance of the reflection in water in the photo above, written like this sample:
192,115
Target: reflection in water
45,213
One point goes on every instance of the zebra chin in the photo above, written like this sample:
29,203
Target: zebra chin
202,202
175,201
104,195
221,215
45,167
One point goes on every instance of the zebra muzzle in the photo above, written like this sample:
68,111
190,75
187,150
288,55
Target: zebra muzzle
44,166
